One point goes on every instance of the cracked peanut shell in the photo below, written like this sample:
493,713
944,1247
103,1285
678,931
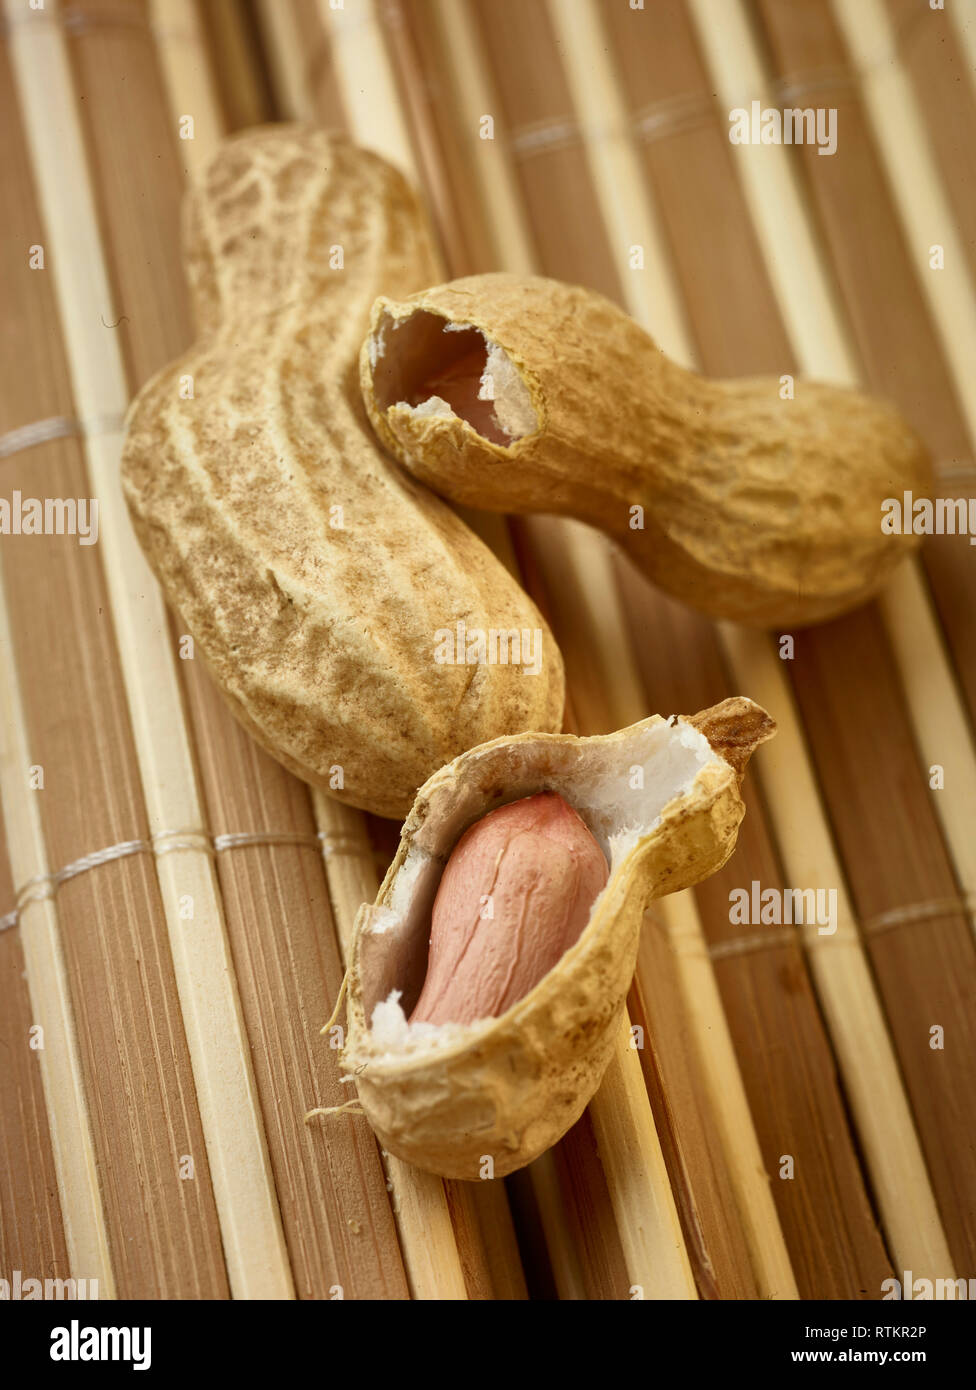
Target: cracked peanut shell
543,397
446,1097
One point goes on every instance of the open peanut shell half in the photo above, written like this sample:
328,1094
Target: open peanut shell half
662,800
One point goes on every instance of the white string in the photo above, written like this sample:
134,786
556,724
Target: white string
685,109
907,914
45,886
57,427
919,912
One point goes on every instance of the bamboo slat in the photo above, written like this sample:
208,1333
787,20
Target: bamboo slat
100,979
493,174
422,1205
367,87
945,735
32,1236
606,135
332,1187
72,1148
921,202
719,1250
237,73
583,566
781,1044
570,1279
928,963
250,1222
938,52
602,699
964,22
895,337
939,719
282,35
628,217
179,42
821,346
371,127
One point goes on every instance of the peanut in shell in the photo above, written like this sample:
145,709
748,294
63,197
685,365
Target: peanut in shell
662,800
522,394
312,573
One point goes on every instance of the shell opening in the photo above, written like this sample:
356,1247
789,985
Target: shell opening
620,793
431,366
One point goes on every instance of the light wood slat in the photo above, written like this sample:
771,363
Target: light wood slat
82,1212
32,1235
433,1265
495,178
179,42
727,1096
822,348
962,17
427,1238
844,980
615,170
626,1069
235,62
941,725
283,46
631,218
253,1241
944,733
808,304
564,1257
922,658
637,1178
366,81
646,1216
926,214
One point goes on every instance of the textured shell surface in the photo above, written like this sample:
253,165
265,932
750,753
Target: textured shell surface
509,1087
312,573
742,501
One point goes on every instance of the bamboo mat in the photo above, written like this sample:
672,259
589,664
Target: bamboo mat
785,1129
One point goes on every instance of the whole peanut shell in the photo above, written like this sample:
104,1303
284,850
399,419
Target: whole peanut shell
319,625
742,503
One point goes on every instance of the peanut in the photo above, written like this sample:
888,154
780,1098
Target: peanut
312,573
503,1051
547,397
516,893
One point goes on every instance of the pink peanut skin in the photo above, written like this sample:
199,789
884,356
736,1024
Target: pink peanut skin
541,870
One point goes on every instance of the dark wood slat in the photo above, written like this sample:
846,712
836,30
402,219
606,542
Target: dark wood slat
335,1207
